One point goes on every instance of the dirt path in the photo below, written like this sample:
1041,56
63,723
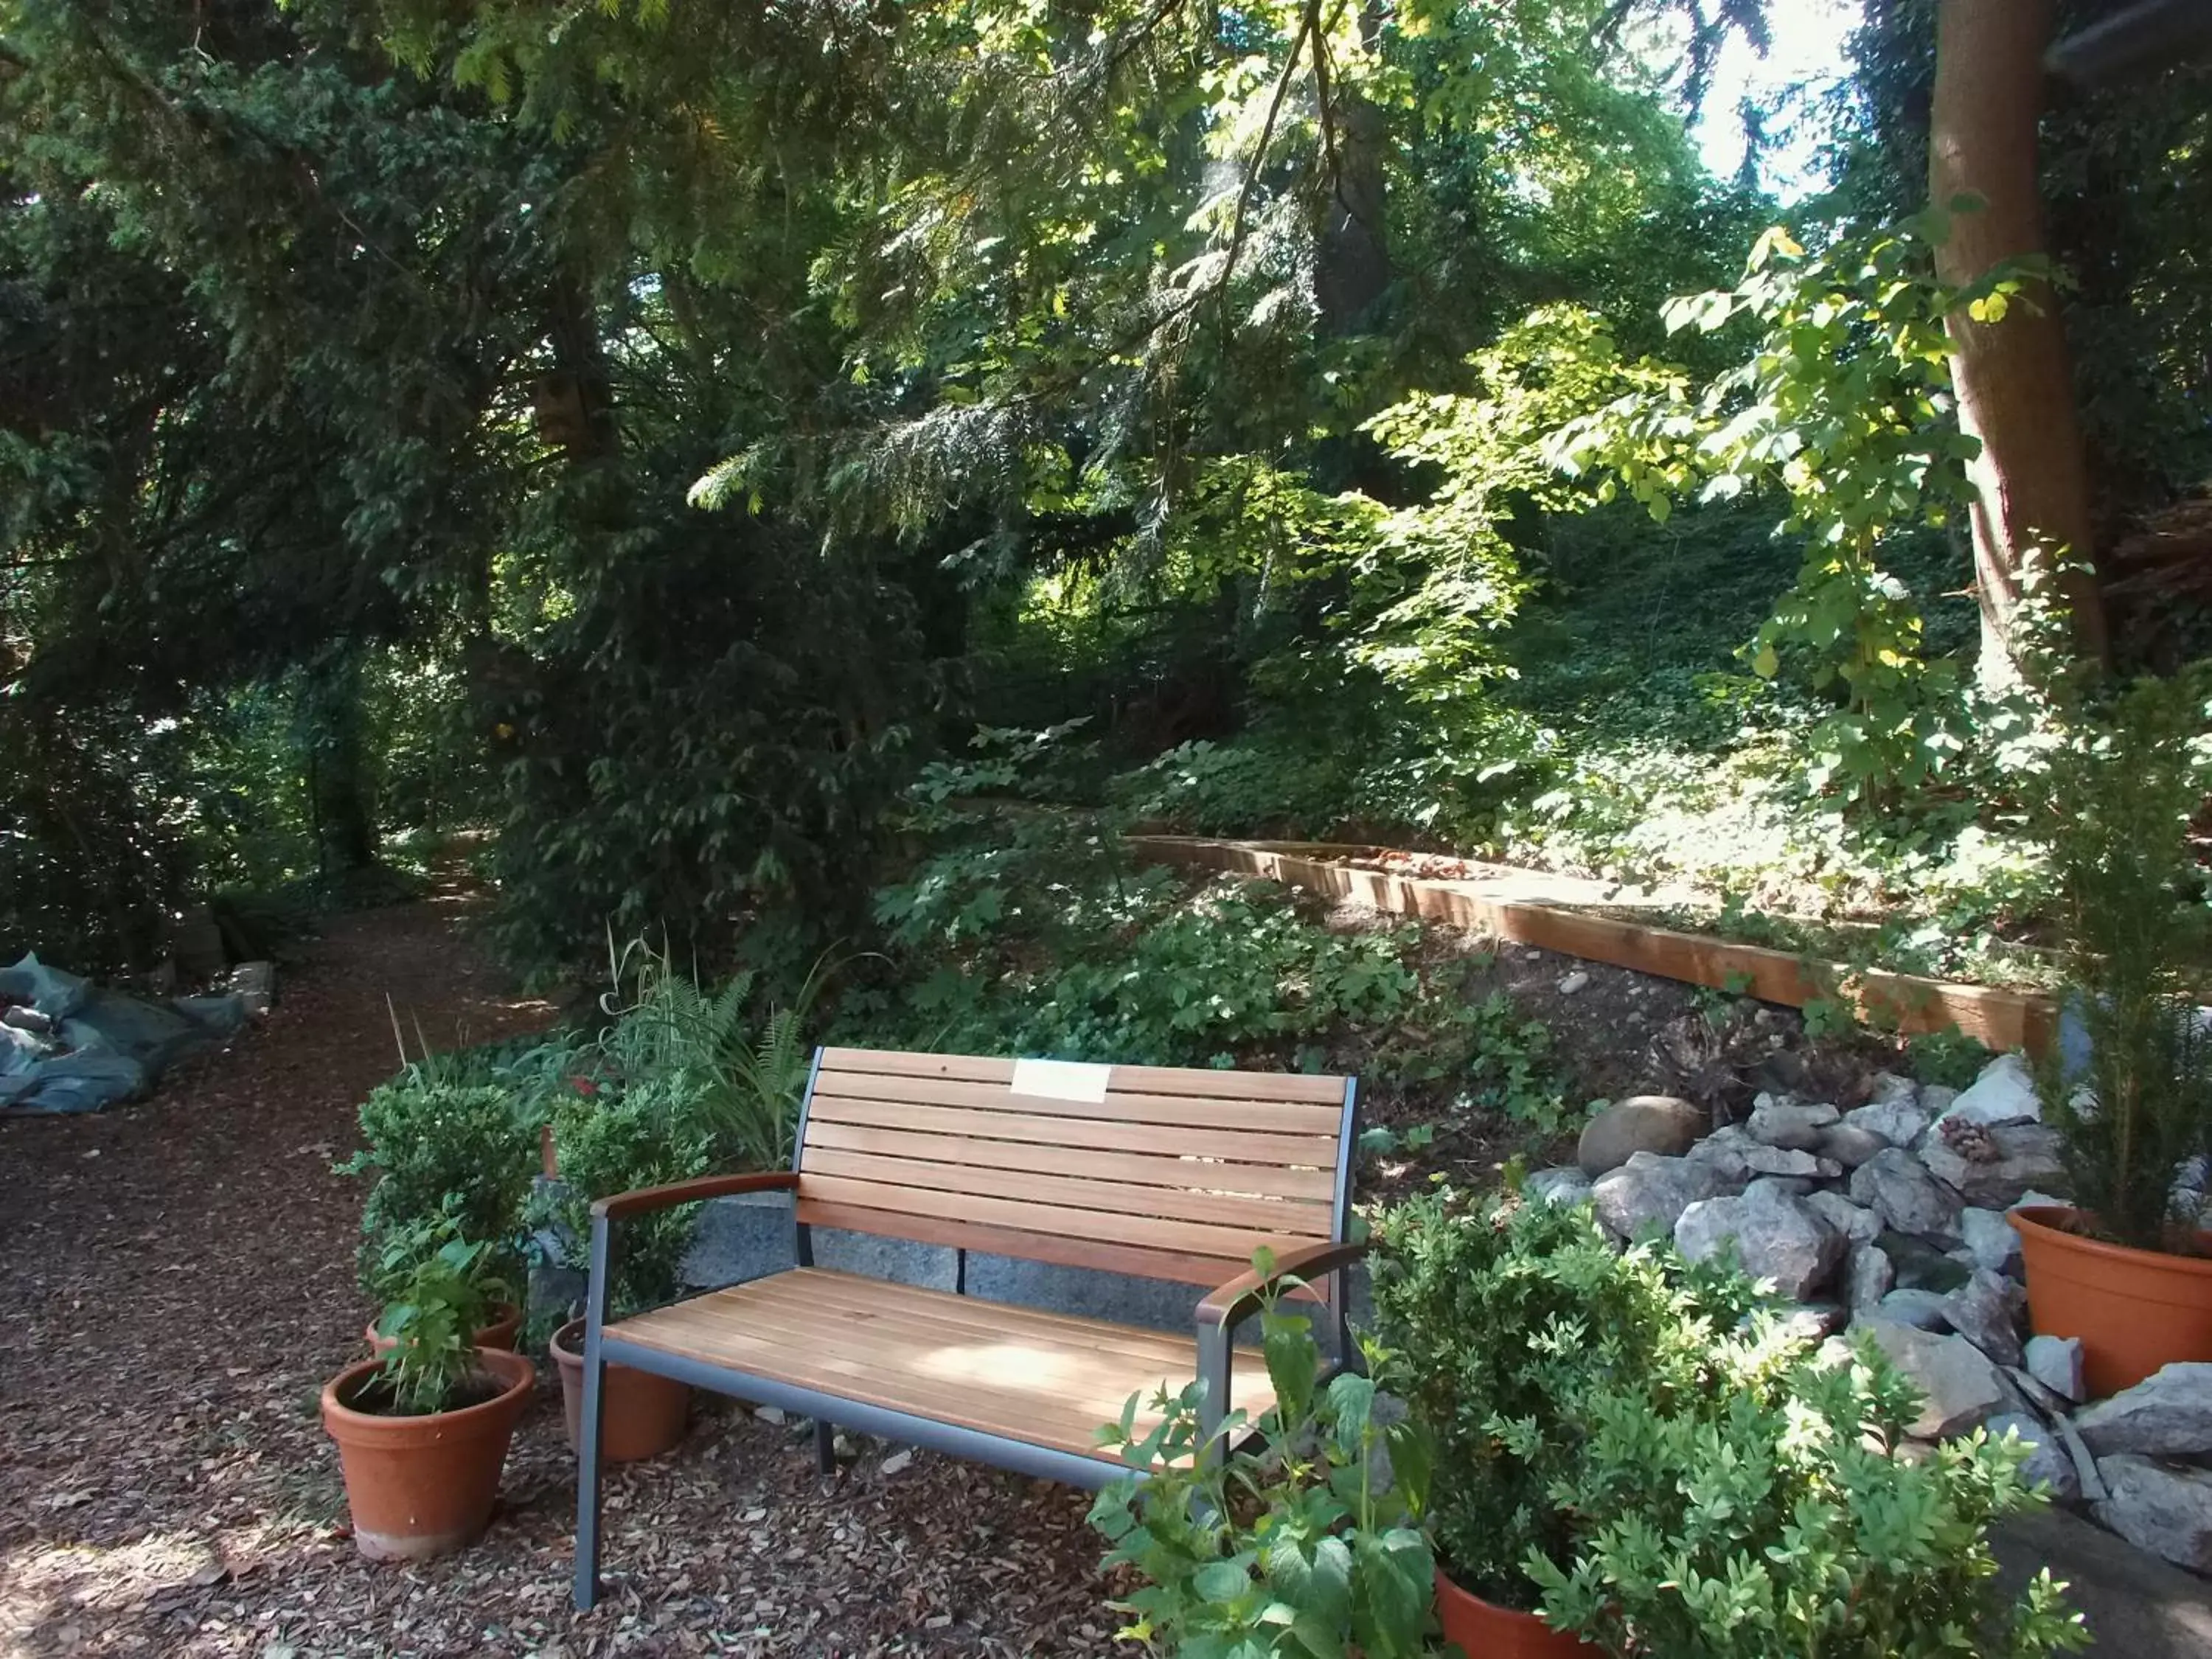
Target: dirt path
177,1281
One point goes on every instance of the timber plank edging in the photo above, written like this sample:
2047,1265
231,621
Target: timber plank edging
2001,1019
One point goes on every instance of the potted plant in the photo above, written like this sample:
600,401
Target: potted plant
1502,1314
2126,1268
422,1430
411,1244
1310,1543
605,1144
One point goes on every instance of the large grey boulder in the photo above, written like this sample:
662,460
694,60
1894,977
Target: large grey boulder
1897,1187
1775,1236
1992,1166
1561,1186
1867,1277
1961,1388
1642,1123
1778,1123
2048,1465
2057,1363
1994,1241
1854,1221
1898,1122
2168,1414
1985,1310
1649,1193
1848,1145
2164,1508
2003,1093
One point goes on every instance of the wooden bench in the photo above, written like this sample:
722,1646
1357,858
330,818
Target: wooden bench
1160,1172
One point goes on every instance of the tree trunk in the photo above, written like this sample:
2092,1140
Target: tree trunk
2015,390
1352,255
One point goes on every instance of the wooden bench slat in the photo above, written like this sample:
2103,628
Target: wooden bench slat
1305,1151
1120,1106
1192,1237
1140,1169
1155,1079
1182,1267
861,1300
1121,1199
1046,1379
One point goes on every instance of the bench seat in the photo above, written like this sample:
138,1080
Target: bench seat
1048,1380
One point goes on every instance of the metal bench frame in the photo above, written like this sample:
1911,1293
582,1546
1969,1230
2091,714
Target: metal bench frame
1218,1314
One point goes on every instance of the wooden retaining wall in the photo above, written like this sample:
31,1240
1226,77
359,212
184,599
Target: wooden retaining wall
2002,1019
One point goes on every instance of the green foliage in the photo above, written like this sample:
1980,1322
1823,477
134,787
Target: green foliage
1947,1058
434,1308
2126,781
1842,405
1307,1545
1780,1514
1504,1315
441,1149
647,1136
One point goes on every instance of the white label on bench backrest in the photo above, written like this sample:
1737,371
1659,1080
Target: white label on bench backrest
1060,1079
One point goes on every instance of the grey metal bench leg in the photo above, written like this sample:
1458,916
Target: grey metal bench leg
589,1419
825,1446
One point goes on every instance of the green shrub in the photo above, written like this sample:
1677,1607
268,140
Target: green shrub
440,1149
607,1145
1502,1312
1776,1516
1309,1545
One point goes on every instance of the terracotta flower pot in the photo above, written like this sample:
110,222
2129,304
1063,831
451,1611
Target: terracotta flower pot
644,1415
423,1486
2134,1310
1483,1630
500,1334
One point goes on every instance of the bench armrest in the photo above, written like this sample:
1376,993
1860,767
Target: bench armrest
688,1191
1228,1306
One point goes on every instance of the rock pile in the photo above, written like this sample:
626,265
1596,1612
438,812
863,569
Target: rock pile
1890,1218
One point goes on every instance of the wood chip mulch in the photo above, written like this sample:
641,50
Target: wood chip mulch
177,1282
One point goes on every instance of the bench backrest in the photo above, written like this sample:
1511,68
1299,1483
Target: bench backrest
1173,1174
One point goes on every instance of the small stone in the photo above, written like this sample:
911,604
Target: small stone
1848,1145
1761,1160
2003,1093
1867,1279
2006,1159
1922,1309
896,1463
1642,1123
1984,1311
1888,1089
1779,1186
2032,1200
1898,1122
1795,1128
1813,1319
1773,1235
1649,1193
1573,982
2159,1507
1896,1186
1854,1221
1993,1241
2168,1414
1562,1186
769,1414
1961,1388
2047,1464
2056,1362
